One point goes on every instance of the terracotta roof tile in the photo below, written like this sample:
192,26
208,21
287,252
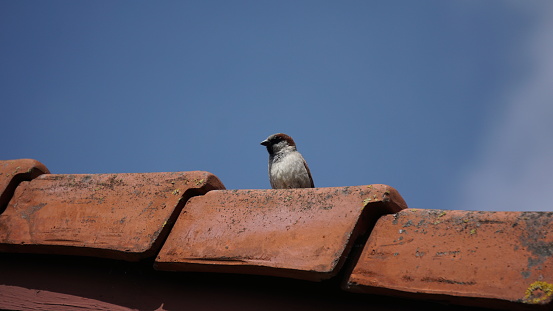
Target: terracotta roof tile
298,233
121,216
490,259
12,172
19,298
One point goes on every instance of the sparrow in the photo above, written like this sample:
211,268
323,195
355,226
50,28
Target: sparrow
287,167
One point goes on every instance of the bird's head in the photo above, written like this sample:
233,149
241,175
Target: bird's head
279,142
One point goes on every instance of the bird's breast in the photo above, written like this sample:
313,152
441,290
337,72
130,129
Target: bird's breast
289,172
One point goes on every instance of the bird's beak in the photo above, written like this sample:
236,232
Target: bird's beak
265,142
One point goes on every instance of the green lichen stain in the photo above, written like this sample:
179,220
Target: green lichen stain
369,200
537,292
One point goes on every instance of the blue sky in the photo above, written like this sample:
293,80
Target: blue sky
450,102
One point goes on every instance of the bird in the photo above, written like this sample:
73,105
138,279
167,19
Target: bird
287,167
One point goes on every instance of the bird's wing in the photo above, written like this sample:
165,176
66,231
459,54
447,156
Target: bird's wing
308,173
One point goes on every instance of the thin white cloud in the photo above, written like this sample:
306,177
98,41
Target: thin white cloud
513,171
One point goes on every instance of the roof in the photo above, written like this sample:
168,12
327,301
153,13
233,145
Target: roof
162,241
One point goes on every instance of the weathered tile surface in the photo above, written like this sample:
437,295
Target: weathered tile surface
298,233
122,216
491,259
12,172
